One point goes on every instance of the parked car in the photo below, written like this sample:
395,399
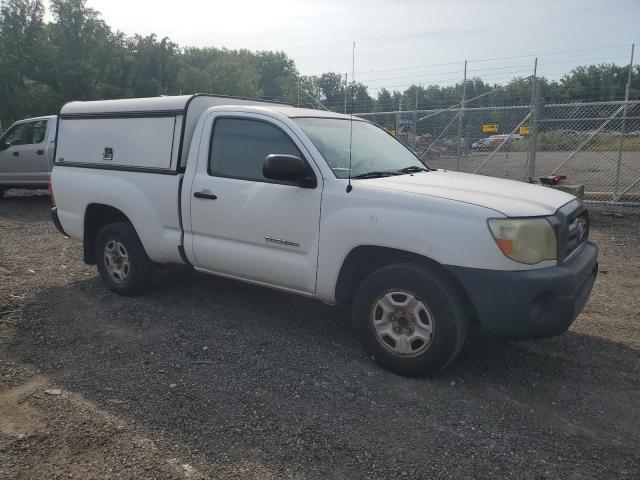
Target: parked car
567,132
483,144
492,142
26,153
273,195
609,133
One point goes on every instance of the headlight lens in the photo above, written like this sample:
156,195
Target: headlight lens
528,240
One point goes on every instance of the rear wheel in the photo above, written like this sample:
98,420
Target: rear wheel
410,319
122,262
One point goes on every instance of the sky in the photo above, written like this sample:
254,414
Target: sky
399,42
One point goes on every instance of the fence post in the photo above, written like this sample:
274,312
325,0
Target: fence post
415,121
623,130
533,134
398,115
460,117
346,87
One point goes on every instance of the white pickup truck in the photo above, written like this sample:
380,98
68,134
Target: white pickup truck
260,192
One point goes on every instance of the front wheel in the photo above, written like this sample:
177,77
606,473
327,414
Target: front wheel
122,262
410,319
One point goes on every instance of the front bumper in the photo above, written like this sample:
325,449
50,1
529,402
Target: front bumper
531,303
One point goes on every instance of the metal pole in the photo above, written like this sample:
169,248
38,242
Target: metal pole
460,116
346,86
415,120
623,130
298,91
398,115
533,134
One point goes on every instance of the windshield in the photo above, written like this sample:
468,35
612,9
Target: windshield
374,152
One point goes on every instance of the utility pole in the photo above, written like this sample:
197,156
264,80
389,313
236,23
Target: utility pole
460,116
298,91
623,130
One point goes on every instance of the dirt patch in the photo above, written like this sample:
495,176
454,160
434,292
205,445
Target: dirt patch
233,380
18,419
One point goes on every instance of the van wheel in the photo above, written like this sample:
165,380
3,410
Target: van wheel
409,319
122,262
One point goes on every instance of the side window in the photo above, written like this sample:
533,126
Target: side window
37,131
239,147
15,136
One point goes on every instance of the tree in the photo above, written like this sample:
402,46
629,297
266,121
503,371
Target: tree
274,69
77,56
332,87
359,100
21,49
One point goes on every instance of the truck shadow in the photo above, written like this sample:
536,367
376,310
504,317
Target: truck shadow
229,368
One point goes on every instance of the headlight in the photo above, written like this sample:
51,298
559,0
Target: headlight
528,240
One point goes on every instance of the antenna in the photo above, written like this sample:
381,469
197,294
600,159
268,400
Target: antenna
353,74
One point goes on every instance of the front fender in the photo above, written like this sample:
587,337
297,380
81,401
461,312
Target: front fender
446,231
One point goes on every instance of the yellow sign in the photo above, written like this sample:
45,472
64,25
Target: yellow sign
490,128
524,130
390,130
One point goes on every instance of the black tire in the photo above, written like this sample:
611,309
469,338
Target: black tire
137,277
443,302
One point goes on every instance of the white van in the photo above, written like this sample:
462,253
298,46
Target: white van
318,204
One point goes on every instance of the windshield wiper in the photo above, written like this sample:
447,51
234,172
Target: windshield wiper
377,174
412,169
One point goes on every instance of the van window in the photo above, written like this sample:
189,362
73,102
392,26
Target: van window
239,147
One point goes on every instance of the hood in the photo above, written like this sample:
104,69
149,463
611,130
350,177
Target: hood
509,197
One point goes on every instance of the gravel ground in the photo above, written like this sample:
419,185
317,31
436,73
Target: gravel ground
210,378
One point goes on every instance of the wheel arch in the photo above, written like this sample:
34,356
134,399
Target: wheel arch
362,260
96,216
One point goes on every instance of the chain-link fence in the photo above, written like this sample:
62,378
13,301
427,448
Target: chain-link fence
595,145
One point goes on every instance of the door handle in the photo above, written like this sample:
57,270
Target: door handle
205,196
40,152
15,154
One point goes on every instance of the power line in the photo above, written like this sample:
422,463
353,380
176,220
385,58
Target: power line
532,55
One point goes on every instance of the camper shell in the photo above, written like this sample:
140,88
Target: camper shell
152,134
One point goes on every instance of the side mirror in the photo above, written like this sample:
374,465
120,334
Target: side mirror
288,168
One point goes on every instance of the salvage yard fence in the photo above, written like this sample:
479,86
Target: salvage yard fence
593,144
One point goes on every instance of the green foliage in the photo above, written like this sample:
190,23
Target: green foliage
78,56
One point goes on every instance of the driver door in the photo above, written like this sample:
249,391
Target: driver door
243,224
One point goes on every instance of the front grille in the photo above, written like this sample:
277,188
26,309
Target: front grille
578,232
